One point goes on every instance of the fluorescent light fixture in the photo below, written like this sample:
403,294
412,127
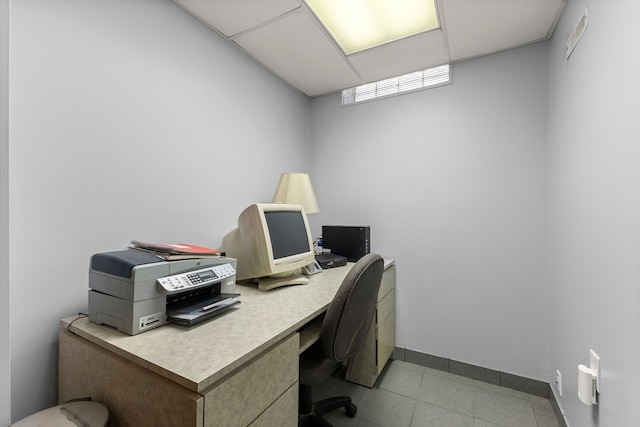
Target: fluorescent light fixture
362,24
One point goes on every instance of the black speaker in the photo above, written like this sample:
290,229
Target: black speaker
352,242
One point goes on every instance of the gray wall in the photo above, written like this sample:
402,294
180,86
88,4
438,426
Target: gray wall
105,98
452,182
128,120
594,146
5,351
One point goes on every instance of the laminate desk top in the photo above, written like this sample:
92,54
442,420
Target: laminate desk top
200,356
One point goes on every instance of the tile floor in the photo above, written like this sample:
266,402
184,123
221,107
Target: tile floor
409,395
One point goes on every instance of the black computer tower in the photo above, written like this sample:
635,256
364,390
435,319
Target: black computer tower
349,241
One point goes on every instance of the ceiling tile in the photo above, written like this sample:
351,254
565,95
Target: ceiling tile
477,28
231,17
401,57
297,49
285,37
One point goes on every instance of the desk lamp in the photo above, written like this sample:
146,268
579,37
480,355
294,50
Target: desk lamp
296,189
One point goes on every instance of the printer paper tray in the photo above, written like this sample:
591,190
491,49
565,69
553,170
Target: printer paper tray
202,309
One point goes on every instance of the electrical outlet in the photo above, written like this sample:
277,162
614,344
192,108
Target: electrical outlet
559,381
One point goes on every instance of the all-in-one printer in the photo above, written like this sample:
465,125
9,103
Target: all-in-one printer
134,291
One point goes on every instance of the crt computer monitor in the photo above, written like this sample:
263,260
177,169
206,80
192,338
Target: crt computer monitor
272,242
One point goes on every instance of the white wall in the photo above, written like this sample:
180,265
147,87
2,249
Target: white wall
106,98
128,120
5,353
594,146
453,183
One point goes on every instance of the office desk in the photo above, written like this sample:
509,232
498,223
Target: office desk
238,369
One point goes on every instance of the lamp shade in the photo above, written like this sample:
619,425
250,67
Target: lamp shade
296,189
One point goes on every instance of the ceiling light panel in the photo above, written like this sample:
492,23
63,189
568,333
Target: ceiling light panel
357,25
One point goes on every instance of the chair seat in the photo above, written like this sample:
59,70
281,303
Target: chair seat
315,367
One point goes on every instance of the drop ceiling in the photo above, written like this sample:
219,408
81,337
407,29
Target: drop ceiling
286,38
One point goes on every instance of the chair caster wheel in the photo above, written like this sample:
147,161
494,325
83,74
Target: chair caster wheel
351,410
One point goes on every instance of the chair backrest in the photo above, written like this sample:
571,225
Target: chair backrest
350,313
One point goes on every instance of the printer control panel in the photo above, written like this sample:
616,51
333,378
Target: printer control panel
195,278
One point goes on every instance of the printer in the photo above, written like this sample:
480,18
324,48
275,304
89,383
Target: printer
135,291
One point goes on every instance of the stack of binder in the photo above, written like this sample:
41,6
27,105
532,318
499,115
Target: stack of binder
175,251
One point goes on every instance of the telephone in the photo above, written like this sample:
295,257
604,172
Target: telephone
312,268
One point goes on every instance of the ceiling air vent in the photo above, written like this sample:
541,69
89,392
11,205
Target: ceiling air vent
577,33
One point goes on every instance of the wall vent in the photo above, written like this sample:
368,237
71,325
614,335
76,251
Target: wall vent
418,80
577,33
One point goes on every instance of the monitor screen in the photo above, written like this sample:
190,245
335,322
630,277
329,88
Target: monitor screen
288,233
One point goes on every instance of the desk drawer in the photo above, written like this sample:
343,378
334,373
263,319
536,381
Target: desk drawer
240,399
282,413
386,306
386,340
388,281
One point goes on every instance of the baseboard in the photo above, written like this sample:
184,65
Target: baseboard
562,422
503,379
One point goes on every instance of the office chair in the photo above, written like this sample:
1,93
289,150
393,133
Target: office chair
344,328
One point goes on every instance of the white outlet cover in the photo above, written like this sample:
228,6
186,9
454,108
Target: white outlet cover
559,381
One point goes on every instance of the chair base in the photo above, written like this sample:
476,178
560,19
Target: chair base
314,418
327,405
